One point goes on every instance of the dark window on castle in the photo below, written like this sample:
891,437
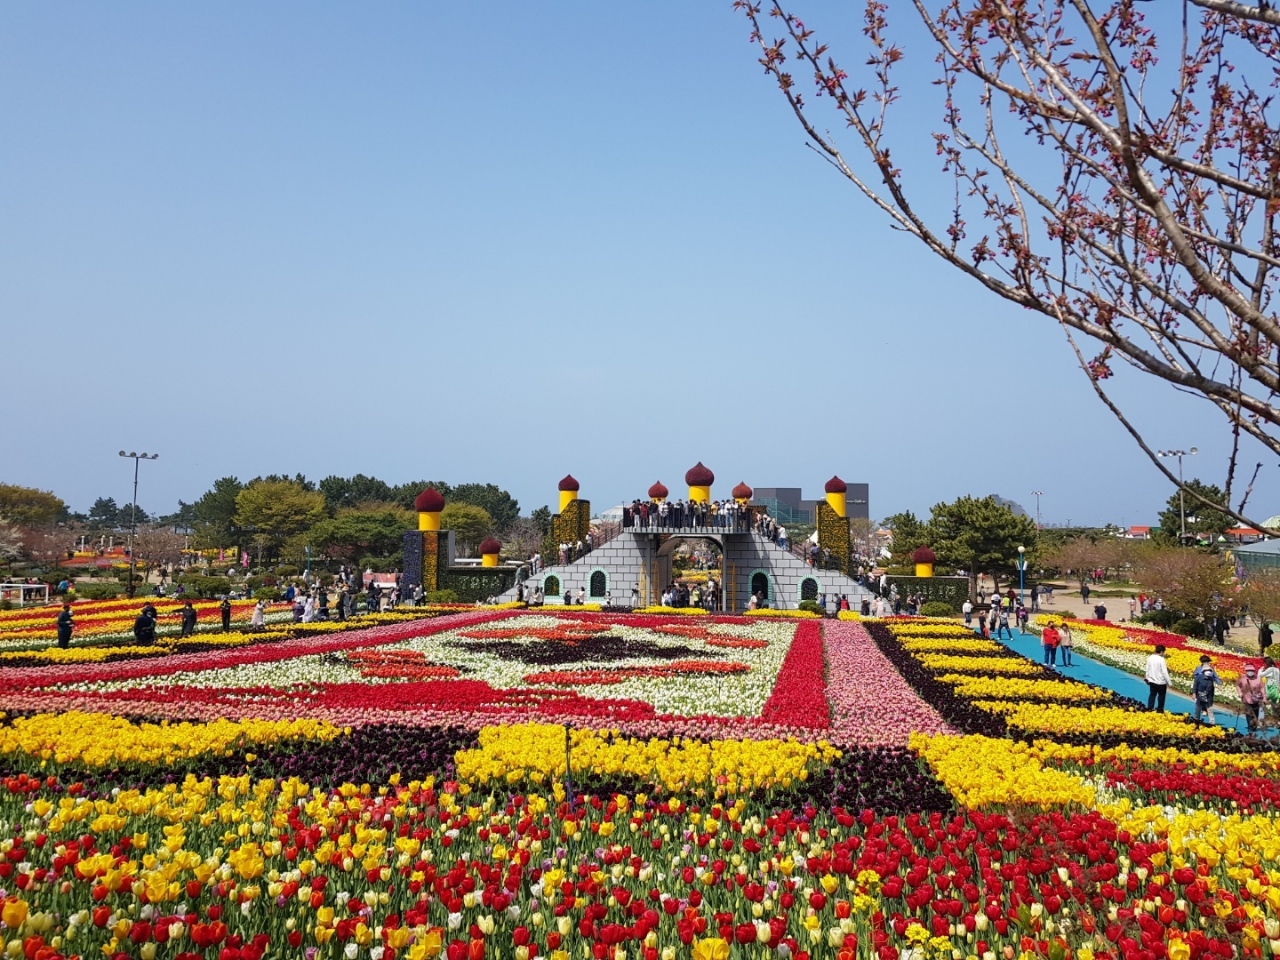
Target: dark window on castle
551,586
599,583
760,584
808,589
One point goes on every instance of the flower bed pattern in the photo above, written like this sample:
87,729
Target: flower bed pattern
700,836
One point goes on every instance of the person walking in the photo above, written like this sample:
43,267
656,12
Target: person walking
1035,598
259,618
1050,638
1203,684
1253,694
1021,613
967,609
224,608
189,616
1084,592
1264,637
1157,677
65,625
1004,625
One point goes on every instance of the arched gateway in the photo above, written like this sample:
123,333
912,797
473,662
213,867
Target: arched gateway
633,564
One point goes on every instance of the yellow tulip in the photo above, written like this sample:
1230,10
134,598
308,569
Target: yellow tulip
14,913
712,948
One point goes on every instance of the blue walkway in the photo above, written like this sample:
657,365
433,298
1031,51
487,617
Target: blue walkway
1112,678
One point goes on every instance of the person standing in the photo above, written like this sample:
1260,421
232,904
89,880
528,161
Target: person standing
225,609
1203,684
1066,643
1253,694
65,625
1035,598
259,618
1084,592
1264,636
188,619
1157,677
144,628
1050,638
1271,679
1004,625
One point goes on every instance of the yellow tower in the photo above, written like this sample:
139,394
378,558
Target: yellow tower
699,479
837,491
429,503
568,491
742,493
489,550
924,560
658,492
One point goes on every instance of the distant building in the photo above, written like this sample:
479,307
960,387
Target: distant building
787,504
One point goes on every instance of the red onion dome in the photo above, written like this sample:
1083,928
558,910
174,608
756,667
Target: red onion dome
923,555
836,485
429,501
699,476
490,545
658,491
568,483
742,492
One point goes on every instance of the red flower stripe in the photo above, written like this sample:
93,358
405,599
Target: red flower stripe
799,697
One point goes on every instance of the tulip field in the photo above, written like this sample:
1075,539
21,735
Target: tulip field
583,785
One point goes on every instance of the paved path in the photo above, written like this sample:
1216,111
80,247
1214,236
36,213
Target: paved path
1112,678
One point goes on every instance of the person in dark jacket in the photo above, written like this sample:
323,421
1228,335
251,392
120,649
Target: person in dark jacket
225,609
1264,636
189,616
65,624
144,627
1203,683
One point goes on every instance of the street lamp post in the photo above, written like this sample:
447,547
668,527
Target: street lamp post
133,511
1037,494
1182,497
1022,570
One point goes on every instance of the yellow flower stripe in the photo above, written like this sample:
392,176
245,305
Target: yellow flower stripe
1182,663
790,614
1054,718
948,645
854,615
99,739
1020,689
535,752
1208,761
998,665
677,611
983,771
930,629
83,654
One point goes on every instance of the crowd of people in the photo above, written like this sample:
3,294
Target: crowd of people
725,515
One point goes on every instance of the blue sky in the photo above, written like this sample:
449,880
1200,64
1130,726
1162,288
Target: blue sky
498,242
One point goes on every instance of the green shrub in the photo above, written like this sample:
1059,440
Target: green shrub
1189,627
812,606
269,594
98,591
1164,619
441,596
287,570
937,608
209,587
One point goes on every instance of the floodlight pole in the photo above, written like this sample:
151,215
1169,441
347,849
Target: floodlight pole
133,510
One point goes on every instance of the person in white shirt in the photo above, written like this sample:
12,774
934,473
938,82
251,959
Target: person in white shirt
967,609
1157,679
1270,674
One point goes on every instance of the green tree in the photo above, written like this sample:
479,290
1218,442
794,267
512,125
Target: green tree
104,514
184,518
500,505
405,493
30,507
542,517
275,510
1196,583
1203,524
908,534
354,532
980,535
470,524
215,515
342,492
